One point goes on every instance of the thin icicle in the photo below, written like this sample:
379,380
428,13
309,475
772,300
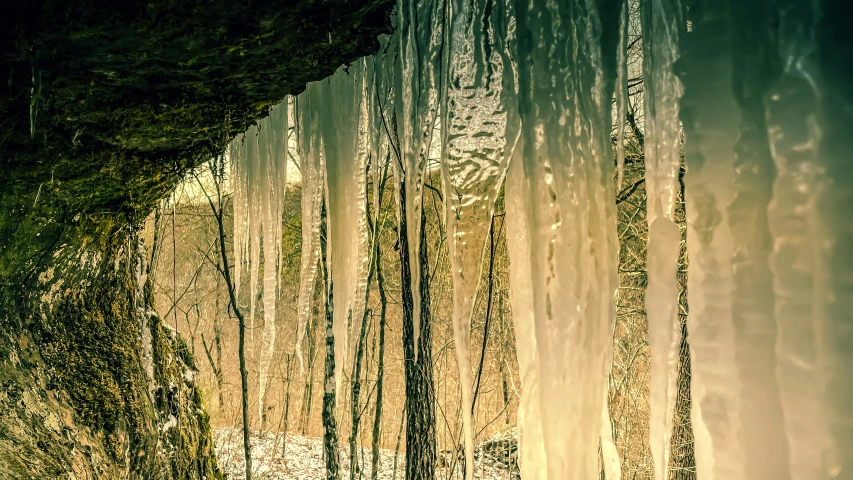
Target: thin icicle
531,458
622,92
273,167
420,35
565,200
313,172
480,127
363,71
662,23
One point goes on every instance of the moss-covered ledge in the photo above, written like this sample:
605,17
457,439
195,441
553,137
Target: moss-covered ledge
104,106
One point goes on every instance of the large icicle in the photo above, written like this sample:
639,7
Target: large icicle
258,169
419,26
809,116
563,196
480,127
313,181
662,23
710,118
341,108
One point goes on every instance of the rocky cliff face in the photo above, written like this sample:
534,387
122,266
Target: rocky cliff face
103,107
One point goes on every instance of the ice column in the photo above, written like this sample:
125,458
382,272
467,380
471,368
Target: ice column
662,24
561,196
809,114
710,118
419,27
480,128
728,61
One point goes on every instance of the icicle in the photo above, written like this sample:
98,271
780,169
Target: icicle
563,199
710,120
531,459
273,176
420,35
662,24
313,173
341,114
239,189
622,92
363,73
480,127
809,113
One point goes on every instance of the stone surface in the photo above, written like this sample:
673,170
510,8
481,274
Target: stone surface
103,107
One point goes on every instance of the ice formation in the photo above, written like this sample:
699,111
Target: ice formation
663,25
808,111
766,118
258,175
480,128
711,130
313,187
341,109
622,91
560,205
416,84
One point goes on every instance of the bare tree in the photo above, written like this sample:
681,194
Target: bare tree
330,427
225,271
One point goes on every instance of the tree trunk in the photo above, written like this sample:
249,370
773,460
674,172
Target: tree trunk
244,380
377,417
330,427
288,376
356,391
308,393
420,414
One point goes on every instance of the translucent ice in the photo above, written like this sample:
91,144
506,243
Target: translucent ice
480,127
561,194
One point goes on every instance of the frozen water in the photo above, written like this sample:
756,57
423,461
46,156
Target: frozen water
340,105
416,84
663,24
313,188
480,128
259,168
560,204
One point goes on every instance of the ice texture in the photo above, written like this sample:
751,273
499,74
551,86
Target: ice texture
480,128
530,437
258,175
663,24
419,30
313,188
561,231
808,113
715,233
341,108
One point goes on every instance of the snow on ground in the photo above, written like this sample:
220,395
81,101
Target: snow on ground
303,459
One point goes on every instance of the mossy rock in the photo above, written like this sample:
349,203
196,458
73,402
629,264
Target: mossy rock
104,106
